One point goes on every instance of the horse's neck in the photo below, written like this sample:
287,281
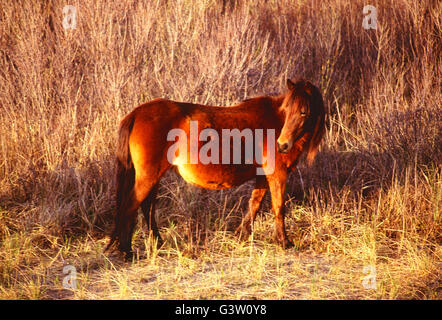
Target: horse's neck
277,101
276,104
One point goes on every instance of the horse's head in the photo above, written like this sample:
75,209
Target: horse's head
303,111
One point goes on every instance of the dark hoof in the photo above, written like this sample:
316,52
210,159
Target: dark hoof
242,233
126,250
128,256
127,253
286,244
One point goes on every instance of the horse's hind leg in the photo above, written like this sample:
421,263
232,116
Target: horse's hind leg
127,213
148,208
255,201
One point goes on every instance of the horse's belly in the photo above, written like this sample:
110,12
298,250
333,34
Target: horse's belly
216,176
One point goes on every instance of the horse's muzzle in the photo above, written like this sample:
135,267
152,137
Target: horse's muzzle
283,148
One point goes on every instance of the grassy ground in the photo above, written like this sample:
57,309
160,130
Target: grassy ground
370,203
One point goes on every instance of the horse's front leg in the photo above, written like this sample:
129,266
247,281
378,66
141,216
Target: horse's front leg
277,182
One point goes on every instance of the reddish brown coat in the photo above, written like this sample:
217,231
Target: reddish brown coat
296,116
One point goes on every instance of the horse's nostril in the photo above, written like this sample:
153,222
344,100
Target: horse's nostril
283,147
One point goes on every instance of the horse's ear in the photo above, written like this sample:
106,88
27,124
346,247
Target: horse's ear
308,87
290,84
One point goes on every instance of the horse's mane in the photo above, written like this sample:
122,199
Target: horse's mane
271,95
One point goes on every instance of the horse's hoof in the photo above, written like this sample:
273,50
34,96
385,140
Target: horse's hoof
126,251
242,233
128,256
287,244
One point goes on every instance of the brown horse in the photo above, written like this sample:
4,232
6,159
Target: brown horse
145,148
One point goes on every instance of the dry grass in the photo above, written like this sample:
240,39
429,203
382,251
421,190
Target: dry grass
371,198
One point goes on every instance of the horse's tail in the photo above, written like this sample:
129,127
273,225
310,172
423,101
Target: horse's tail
125,177
123,154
